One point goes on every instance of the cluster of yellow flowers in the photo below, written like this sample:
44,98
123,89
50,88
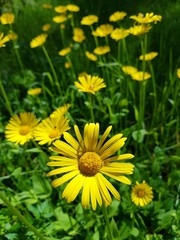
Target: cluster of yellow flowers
83,160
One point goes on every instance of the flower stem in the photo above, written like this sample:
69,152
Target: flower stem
52,68
91,107
8,105
110,236
21,217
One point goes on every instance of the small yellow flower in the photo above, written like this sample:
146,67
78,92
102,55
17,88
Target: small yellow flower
3,39
60,110
73,8
147,18
60,9
119,33
46,27
148,56
86,161
7,18
89,20
12,35
117,16
20,128
47,6
101,50
60,19
50,129
139,29
67,65
103,30
129,70
88,83
140,76
34,91
178,72
64,51
38,41
142,194
91,56
78,35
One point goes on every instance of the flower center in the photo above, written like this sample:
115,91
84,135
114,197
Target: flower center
24,130
54,133
90,163
140,193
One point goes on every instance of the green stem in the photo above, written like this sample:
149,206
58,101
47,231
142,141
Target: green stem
15,47
52,68
8,105
21,217
110,236
91,107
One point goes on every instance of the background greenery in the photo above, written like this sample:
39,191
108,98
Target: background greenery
23,168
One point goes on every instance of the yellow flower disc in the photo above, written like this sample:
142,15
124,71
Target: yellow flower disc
24,129
90,163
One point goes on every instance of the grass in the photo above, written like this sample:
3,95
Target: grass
146,112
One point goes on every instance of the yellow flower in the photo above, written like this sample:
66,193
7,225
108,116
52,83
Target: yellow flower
142,194
78,35
46,27
60,111
38,41
3,39
88,83
140,76
12,35
119,33
91,56
59,19
129,70
20,128
64,51
178,72
101,50
117,16
148,56
89,20
50,129
147,18
7,18
34,91
67,65
103,30
85,161
60,9
73,8
139,29
47,6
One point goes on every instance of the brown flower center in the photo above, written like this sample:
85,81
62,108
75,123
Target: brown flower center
89,164
140,193
54,133
24,130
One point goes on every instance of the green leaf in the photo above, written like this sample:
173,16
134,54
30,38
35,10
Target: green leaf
134,232
114,230
138,135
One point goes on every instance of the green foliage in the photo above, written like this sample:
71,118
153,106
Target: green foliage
146,113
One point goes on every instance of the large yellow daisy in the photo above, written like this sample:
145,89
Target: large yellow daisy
85,161
51,129
142,194
20,128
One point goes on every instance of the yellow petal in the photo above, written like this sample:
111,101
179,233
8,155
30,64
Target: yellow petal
64,178
103,138
62,170
72,189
